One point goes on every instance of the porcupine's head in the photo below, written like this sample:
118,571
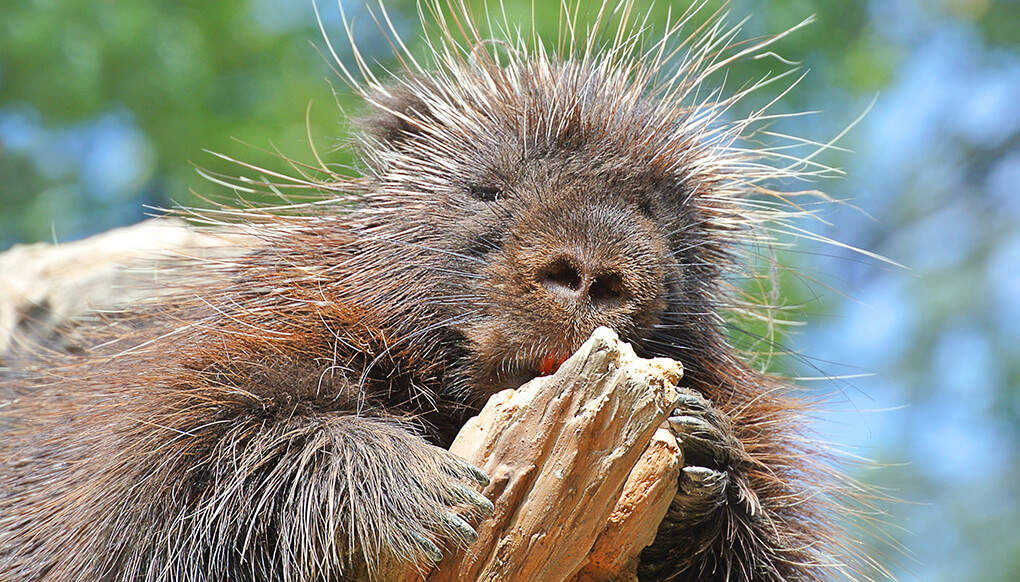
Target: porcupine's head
546,195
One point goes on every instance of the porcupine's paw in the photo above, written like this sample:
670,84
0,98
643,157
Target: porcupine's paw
432,502
709,451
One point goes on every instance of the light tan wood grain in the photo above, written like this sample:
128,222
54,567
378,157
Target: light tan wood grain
581,474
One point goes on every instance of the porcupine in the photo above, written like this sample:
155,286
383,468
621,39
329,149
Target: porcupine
285,416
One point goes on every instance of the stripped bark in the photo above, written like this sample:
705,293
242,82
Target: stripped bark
578,489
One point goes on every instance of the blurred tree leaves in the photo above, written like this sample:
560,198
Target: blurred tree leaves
189,75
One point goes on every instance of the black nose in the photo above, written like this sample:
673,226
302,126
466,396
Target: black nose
577,282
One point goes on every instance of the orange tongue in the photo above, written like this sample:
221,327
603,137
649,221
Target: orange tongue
551,362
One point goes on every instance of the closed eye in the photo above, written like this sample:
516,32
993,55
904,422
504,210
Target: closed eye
485,193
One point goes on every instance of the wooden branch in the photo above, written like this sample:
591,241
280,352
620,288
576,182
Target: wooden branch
581,471
44,286
632,525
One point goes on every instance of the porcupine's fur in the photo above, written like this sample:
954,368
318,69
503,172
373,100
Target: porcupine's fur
282,417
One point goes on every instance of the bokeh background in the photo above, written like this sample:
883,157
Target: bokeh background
107,107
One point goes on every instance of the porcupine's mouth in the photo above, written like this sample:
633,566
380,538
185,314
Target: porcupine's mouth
552,362
528,369
519,362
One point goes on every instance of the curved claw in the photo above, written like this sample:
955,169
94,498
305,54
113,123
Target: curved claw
702,492
472,472
431,550
690,400
705,484
694,426
704,432
463,528
479,501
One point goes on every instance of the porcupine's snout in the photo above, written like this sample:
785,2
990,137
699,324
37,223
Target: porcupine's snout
577,282
590,261
581,264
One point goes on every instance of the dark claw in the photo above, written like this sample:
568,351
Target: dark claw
702,492
473,472
690,400
705,484
703,432
431,550
463,528
693,426
702,441
709,451
476,499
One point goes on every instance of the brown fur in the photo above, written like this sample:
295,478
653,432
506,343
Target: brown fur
284,418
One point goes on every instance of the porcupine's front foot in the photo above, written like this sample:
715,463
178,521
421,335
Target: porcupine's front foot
436,503
454,493
709,451
395,501
688,535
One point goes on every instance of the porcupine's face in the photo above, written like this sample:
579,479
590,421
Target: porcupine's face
568,246
541,236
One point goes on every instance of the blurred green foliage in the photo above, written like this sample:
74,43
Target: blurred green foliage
190,75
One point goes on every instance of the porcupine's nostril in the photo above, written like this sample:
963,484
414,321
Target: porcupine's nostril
563,281
607,290
574,282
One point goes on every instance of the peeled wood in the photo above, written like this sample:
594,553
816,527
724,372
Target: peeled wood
631,526
578,489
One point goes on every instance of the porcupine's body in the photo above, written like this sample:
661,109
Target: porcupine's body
283,418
